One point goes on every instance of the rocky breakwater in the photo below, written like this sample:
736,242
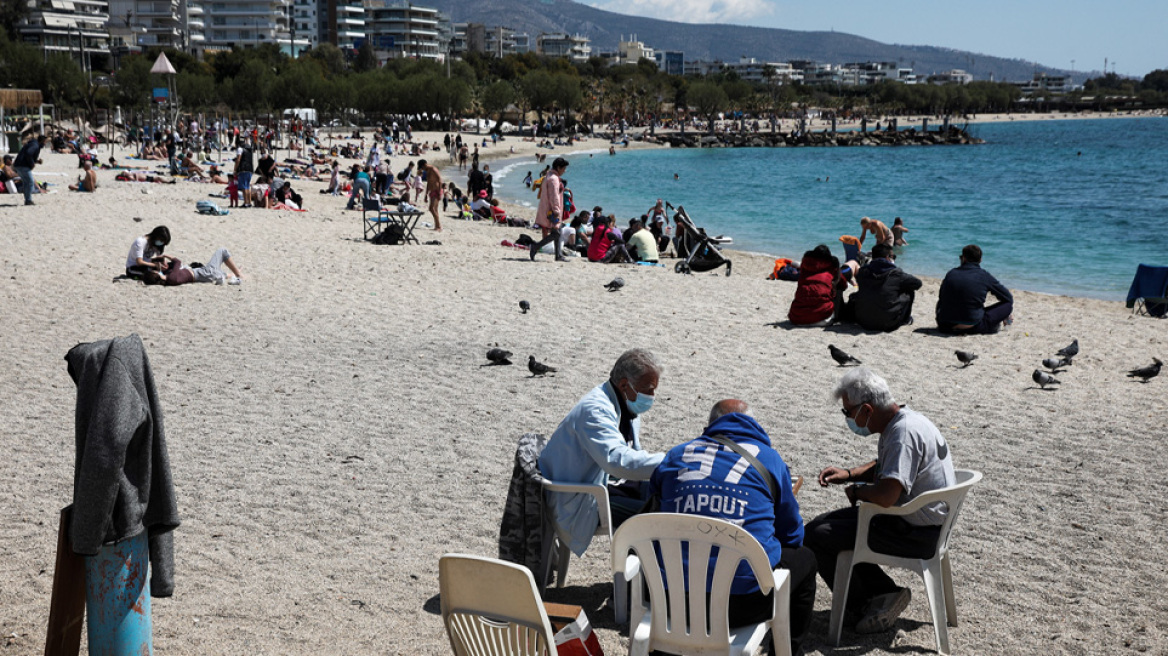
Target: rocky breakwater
953,136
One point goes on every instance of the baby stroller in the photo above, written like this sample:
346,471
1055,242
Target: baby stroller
699,252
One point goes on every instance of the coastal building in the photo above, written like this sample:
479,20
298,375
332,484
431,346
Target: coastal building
671,62
753,70
404,30
341,23
498,40
575,47
633,51
250,23
305,23
954,76
1044,84
78,28
702,67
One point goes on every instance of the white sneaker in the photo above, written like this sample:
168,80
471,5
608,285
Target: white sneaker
234,281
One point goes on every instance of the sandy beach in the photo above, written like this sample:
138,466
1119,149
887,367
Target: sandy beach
332,433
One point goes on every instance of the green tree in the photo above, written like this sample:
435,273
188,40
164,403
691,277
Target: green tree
11,13
197,90
366,58
707,99
496,98
330,58
538,88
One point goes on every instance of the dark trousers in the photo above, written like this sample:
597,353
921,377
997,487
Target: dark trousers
991,319
756,607
833,532
553,237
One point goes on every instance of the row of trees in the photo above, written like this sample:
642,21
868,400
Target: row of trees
264,80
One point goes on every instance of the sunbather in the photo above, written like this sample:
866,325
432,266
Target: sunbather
177,273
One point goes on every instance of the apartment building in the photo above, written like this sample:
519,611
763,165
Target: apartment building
574,47
78,28
178,24
402,29
342,23
250,23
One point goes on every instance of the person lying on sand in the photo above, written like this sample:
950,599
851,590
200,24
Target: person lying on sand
144,176
177,273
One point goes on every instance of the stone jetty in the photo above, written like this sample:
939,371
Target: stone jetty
910,137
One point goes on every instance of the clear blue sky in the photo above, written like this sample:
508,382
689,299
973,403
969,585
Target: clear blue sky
1129,33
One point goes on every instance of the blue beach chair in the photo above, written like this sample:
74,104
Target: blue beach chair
1148,294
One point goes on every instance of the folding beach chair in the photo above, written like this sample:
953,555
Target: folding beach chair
852,250
1149,291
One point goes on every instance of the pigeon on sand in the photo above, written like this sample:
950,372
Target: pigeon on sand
840,357
966,357
1043,379
1148,372
538,368
498,356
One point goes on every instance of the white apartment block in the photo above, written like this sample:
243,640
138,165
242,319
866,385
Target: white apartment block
177,24
250,23
574,47
404,30
78,28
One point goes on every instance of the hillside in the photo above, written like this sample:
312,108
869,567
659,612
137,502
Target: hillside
727,42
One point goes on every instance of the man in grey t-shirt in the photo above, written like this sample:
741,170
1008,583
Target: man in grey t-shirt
912,458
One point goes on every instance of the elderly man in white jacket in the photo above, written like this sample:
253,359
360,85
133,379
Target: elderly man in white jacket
599,439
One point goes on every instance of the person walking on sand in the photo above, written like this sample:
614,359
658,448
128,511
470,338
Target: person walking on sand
551,209
26,160
433,191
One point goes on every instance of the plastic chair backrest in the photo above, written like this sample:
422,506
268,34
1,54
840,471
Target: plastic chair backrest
662,534
491,608
953,497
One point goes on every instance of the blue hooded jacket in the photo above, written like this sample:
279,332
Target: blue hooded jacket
702,477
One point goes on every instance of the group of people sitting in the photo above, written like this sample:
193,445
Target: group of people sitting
148,262
593,234
598,443
883,300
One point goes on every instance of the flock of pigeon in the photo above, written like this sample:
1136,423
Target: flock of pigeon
1065,358
498,356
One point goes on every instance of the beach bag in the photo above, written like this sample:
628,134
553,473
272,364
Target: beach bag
524,240
574,635
207,207
392,235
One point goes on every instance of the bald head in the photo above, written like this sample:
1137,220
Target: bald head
727,406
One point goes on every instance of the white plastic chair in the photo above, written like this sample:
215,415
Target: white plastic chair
492,608
936,572
563,553
667,626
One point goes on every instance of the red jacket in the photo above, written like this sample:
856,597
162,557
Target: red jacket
598,246
815,296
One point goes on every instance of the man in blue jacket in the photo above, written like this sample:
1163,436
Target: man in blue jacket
26,160
961,301
600,440
705,477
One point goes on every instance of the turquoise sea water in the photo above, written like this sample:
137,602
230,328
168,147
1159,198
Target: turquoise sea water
1047,218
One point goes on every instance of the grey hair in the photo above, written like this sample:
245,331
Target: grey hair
633,364
861,385
723,408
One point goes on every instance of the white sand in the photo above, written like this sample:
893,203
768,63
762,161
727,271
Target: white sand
332,433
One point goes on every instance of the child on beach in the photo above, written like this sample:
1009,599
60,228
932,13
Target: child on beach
898,231
233,190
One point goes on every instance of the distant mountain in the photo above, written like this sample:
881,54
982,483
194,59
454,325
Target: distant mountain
727,42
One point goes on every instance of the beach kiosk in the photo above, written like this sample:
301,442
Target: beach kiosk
14,99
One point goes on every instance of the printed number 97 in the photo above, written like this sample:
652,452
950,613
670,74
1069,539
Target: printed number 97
703,455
